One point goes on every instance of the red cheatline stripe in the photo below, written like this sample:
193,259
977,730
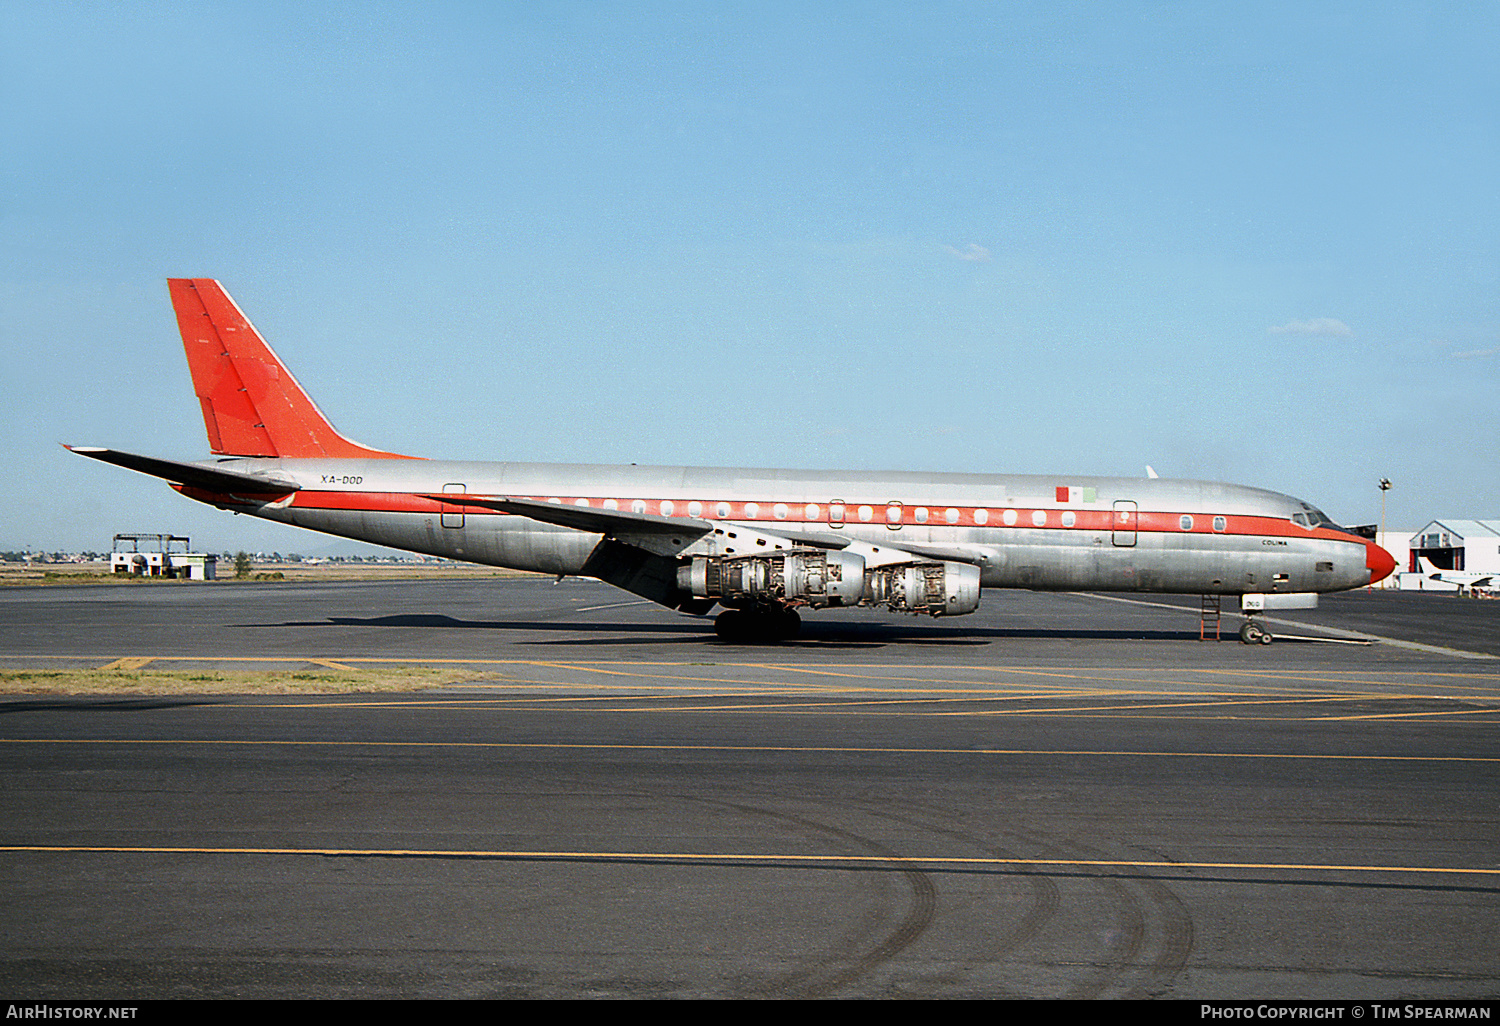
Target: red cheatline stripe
1148,521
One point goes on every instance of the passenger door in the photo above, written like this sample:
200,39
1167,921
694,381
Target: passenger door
1124,523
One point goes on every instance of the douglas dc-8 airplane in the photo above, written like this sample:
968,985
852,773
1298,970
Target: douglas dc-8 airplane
761,543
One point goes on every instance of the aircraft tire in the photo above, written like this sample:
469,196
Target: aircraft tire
1252,633
730,625
747,627
788,624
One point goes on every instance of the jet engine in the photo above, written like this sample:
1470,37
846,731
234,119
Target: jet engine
935,588
812,577
819,578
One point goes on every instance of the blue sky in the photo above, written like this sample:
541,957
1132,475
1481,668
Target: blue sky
1246,242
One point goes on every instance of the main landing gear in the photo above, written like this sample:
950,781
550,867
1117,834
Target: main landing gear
1252,633
758,626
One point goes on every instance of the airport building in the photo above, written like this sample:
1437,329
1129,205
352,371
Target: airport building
1398,544
1464,545
161,561
1444,553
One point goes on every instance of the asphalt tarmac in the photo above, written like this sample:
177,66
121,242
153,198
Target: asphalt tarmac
1060,796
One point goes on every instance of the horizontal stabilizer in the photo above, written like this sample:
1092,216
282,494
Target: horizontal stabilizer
211,479
583,518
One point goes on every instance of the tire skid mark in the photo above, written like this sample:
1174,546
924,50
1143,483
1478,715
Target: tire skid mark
837,970
1045,900
1176,942
1154,919
1123,944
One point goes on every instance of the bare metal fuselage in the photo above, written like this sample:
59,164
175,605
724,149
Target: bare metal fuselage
1119,534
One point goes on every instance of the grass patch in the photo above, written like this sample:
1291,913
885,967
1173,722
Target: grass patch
99,573
230,682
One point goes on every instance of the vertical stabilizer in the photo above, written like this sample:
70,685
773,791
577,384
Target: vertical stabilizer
252,406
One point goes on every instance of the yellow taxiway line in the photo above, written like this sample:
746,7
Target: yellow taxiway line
976,862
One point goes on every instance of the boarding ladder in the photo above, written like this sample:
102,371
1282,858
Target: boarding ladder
1208,617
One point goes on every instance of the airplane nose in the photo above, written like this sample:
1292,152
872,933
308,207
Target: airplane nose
1379,562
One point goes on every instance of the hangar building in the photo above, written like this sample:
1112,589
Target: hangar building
1471,545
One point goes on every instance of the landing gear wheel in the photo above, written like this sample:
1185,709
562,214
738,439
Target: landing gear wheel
749,627
732,625
1252,633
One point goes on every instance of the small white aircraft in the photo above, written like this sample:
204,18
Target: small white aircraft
1467,581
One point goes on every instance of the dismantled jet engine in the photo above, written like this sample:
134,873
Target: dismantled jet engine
820,578
812,577
936,588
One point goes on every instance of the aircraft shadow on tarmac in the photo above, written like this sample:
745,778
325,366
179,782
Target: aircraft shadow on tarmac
822,634
90,703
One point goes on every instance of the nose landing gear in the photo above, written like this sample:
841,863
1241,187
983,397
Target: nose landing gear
1252,633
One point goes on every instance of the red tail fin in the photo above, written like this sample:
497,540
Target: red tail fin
252,406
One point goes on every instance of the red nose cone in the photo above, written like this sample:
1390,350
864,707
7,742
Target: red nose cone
1380,562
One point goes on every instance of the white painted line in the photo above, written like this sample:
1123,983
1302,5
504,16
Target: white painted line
612,605
1415,646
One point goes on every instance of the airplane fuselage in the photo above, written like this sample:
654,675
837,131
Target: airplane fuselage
1037,532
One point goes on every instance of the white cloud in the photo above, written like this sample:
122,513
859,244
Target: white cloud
973,251
1476,354
1315,326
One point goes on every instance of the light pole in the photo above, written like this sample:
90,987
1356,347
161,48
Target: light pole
1385,486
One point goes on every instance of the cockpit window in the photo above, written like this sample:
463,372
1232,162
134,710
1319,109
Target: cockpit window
1313,517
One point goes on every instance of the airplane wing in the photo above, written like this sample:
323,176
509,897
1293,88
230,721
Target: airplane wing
613,522
213,479
1464,580
639,550
649,531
